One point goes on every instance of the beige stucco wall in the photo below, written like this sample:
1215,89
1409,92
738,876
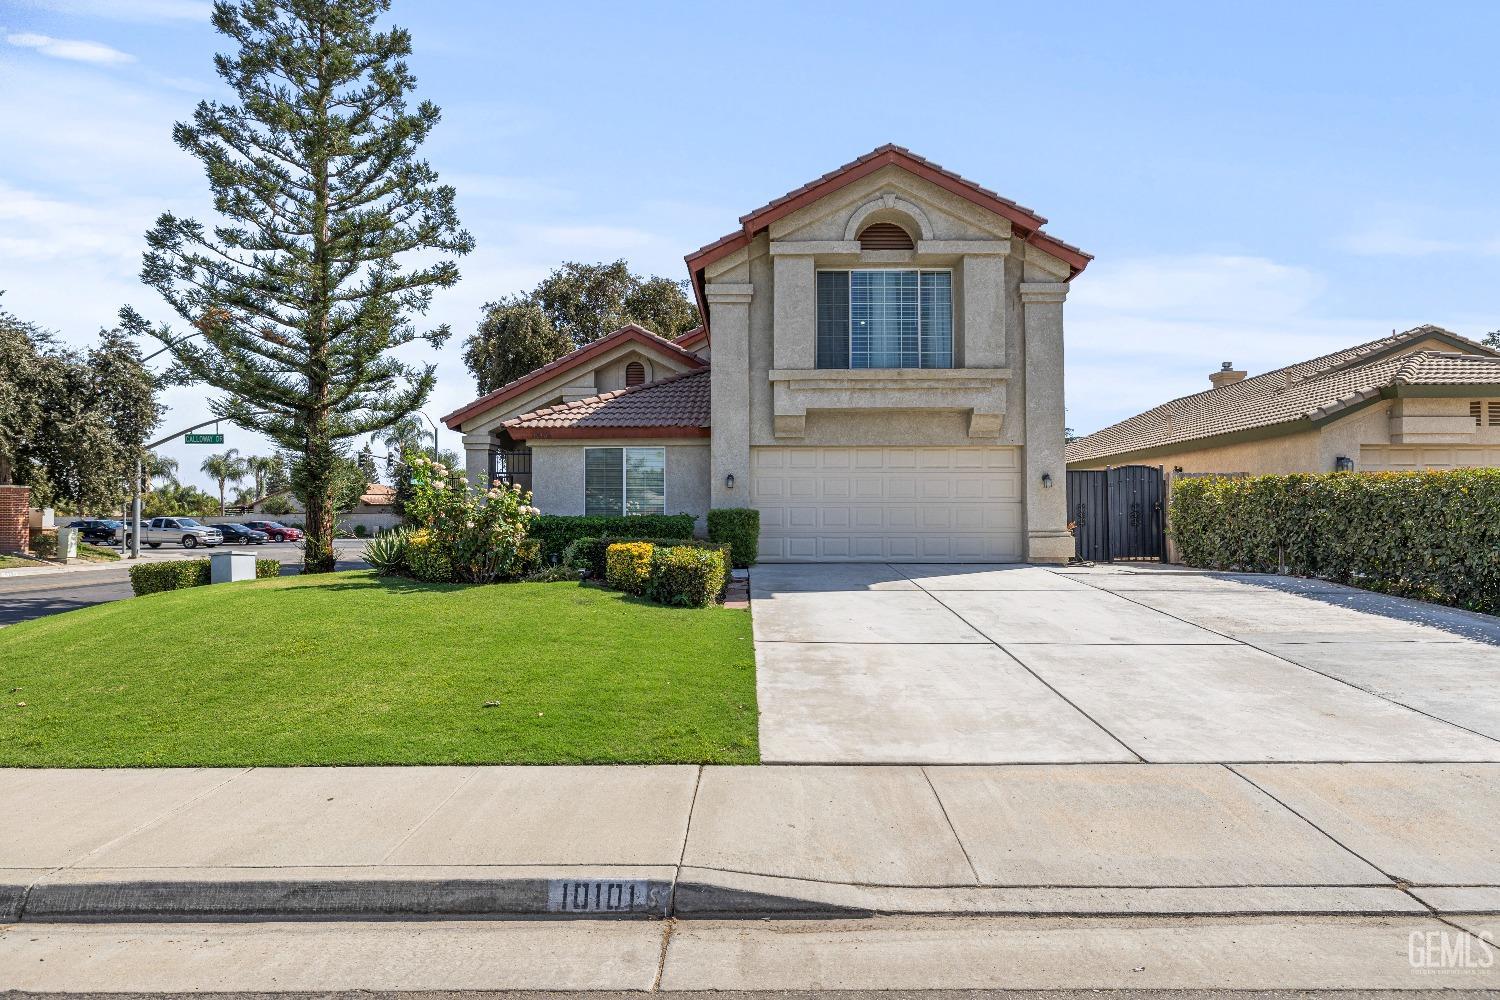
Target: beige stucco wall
1378,437
1008,328
557,474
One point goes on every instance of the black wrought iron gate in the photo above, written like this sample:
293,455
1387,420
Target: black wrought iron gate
1118,513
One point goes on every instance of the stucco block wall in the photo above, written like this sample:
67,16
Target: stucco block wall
557,475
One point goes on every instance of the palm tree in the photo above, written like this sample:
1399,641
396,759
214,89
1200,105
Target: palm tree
406,434
261,468
225,468
159,467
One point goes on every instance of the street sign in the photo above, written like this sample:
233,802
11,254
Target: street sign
204,438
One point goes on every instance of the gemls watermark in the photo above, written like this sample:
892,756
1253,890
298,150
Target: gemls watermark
1434,950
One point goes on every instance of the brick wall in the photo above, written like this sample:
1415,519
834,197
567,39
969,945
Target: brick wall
14,530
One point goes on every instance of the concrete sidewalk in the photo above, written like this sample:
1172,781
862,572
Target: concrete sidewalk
1103,840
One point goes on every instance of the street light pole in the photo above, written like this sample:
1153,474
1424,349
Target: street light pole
434,434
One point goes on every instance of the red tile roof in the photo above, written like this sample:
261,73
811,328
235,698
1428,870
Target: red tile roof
676,406
1300,393
588,352
697,335
1028,222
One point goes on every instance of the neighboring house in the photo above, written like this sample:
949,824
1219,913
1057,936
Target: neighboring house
887,348
1423,399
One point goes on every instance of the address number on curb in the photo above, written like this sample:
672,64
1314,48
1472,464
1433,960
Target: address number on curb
602,896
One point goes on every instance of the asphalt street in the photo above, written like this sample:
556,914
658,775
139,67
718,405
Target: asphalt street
25,597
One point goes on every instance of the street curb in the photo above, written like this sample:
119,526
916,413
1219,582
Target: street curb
629,893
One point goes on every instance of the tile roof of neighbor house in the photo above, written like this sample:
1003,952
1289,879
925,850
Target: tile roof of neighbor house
1028,222
1304,392
378,494
573,359
692,338
675,406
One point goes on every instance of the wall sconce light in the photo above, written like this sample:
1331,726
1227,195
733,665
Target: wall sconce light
1046,480
1343,464
729,481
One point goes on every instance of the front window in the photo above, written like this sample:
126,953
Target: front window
885,319
622,481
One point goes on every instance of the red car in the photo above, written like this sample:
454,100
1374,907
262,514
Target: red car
276,531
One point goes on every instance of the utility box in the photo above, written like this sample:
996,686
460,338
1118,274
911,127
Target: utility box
67,545
230,567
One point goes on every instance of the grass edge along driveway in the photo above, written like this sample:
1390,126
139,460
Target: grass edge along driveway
353,668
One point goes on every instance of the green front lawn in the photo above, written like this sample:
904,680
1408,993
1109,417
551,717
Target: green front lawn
352,668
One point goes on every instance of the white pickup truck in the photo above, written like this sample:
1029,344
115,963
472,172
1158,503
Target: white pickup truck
185,531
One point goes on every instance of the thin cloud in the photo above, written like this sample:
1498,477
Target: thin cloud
72,49
130,10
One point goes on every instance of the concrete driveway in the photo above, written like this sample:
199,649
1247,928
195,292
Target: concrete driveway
862,663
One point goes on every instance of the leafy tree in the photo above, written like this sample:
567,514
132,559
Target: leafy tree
1492,339
307,284
346,485
72,423
175,498
276,505
574,305
407,434
662,306
514,339
583,302
225,468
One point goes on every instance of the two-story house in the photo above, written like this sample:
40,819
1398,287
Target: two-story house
886,381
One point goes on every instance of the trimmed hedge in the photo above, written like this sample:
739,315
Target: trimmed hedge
555,531
740,528
153,578
1429,535
687,575
628,566
589,553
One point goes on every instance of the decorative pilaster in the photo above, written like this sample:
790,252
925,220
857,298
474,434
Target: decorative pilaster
729,319
479,458
15,525
1047,536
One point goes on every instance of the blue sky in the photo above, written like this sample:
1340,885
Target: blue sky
1258,184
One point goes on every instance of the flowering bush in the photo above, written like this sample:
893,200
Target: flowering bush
629,566
465,534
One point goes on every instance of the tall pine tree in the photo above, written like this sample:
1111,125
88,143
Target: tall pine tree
300,292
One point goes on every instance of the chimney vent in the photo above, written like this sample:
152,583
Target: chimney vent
1226,375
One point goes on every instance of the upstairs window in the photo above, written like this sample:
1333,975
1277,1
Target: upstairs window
1476,410
622,481
1495,414
884,319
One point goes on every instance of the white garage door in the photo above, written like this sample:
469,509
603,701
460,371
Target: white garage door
897,504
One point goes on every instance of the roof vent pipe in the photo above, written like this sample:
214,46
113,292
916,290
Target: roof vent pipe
1226,375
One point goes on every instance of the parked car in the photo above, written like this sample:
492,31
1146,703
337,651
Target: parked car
276,531
242,533
189,532
97,529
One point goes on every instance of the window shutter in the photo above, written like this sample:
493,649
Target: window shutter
603,482
885,236
635,373
1495,414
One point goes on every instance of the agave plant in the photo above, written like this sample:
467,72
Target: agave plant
387,552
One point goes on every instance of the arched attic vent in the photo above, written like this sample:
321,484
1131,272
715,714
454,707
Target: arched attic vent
885,236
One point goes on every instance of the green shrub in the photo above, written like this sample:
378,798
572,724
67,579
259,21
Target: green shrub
740,528
589,553
629,566
44,544
688,576
557,573
427,558
360,531
528,558
152,578
1429,535
555,531
386,553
